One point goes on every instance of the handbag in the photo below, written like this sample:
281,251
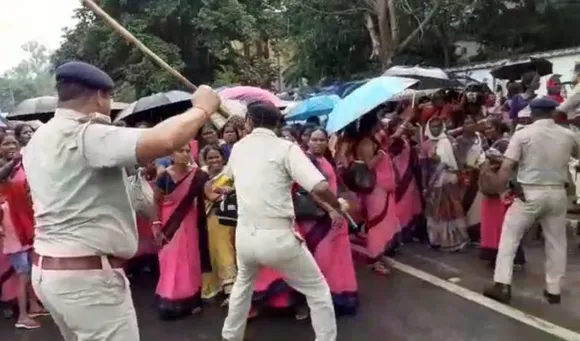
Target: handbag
141,195
227,210
359,178
305,208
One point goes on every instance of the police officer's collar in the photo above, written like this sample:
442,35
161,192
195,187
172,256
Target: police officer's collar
77,116
263,131
544,121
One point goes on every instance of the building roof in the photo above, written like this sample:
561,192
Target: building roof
498,62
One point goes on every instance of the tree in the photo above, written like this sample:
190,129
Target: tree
30,78
198,38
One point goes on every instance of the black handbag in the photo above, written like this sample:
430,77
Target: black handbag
305,208
227,210
359,178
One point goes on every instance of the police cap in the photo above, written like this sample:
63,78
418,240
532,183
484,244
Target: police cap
543,103
84,74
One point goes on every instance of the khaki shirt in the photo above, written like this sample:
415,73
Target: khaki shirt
264,167
572,103
79,187
542,150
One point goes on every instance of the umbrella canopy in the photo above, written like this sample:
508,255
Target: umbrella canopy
364,99
42,109
31,108
409,94
429,78
513,70
314,106
250,94
156,107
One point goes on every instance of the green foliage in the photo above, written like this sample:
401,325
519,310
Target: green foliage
30,78
224,42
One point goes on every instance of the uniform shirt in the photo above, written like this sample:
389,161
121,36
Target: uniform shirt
542,150
572,103
264,167
78,185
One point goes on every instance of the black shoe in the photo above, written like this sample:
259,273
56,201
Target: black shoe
552,298
499,292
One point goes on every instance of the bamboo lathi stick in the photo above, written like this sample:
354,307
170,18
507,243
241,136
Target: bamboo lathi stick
129,37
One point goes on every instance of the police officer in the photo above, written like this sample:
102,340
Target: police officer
541,152
85,223
265,233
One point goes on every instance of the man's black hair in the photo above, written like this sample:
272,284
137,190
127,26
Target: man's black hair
70,90
264,115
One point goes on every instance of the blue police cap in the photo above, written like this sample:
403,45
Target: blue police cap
84,74
544,103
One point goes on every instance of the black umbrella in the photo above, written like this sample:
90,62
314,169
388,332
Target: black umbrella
42,109
156,107
38,108
428,77
513,70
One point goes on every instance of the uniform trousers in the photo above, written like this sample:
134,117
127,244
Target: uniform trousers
273,243
546,205
88,305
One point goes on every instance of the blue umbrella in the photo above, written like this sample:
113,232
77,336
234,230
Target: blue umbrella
315,106
364,99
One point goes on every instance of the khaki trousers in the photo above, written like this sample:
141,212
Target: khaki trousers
546,205
88,305
273,244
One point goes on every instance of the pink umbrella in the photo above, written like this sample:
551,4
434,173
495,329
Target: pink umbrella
250,94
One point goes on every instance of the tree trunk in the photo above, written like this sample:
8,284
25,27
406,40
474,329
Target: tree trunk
375,38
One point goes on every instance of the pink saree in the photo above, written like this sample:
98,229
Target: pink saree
407,193
331,249
185,256
270,290
381,215
8,278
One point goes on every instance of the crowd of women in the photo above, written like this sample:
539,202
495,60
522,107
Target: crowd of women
425,159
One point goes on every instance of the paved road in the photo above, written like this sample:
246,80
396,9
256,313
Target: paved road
398,308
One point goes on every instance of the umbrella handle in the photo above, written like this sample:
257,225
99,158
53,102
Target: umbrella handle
132,39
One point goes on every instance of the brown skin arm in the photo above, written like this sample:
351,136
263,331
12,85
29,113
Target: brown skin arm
322,191
325,206
504,173
210,194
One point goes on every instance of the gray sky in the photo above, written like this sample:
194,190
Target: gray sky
25,20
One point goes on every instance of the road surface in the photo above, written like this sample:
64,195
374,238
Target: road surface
401,307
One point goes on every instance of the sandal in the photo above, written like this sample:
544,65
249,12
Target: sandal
27,323
39,313
380,268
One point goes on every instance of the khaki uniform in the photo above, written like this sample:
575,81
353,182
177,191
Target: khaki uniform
82,208
542,151
264,167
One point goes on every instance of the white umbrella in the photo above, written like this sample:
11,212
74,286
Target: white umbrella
416,71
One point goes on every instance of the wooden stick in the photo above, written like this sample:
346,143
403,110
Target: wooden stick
132,39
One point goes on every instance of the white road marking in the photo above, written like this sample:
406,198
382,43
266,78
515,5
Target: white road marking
530,320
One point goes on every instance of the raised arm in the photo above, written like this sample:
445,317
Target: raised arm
111,146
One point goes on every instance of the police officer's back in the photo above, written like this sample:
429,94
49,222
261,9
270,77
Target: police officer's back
541,152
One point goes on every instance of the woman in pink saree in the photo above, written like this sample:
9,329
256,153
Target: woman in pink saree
185,255
407,194
382,223
331,246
